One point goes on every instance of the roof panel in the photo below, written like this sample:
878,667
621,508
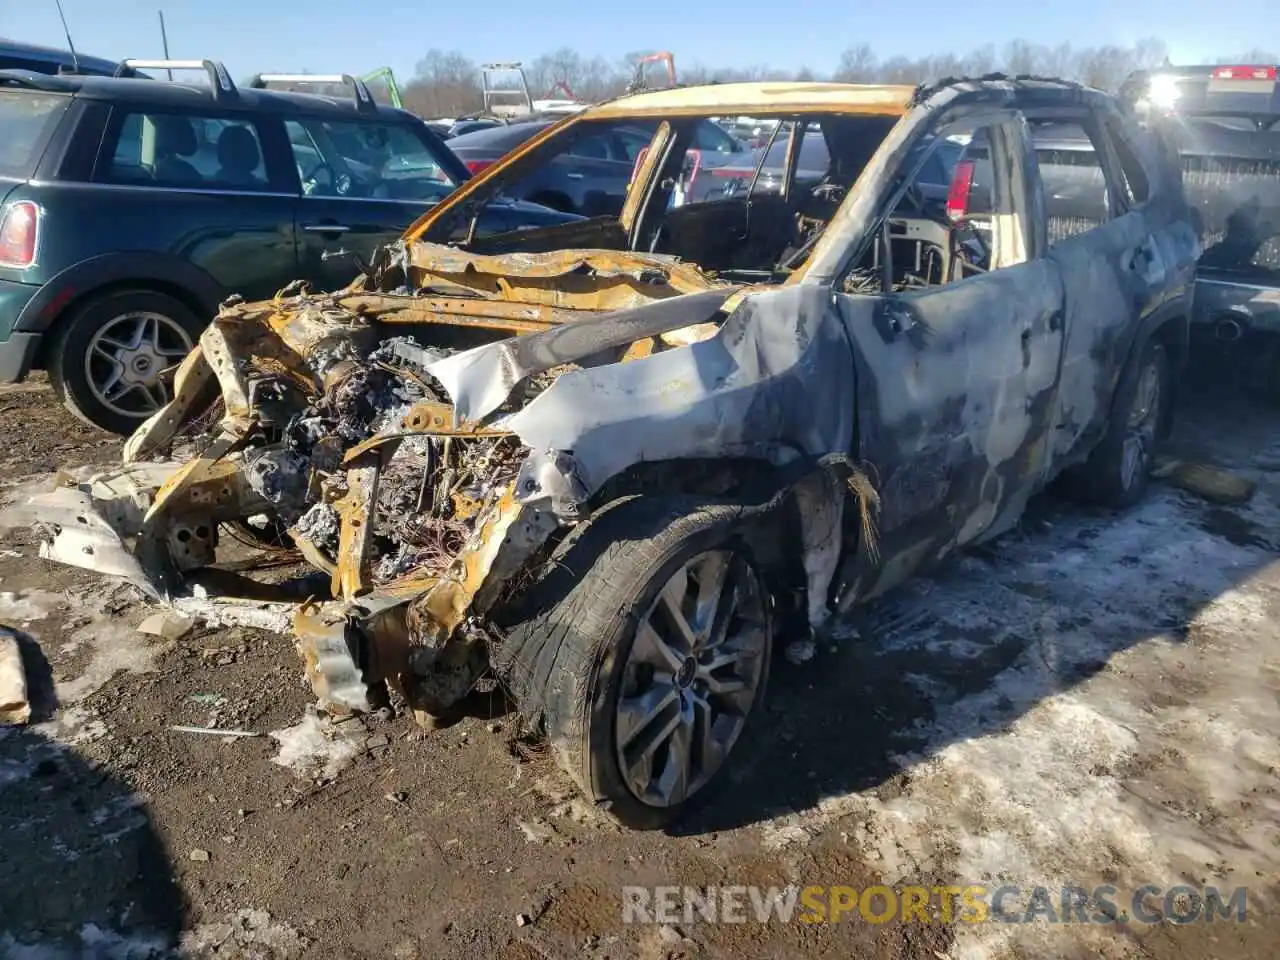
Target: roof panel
761,99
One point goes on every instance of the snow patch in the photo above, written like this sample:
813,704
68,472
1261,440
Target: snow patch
115,647
318,749
27,606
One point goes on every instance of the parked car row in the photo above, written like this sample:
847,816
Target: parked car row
132,207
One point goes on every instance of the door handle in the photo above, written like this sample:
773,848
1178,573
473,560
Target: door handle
576,176
326,228
1140,257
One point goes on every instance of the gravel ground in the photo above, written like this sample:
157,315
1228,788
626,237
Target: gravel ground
1093,699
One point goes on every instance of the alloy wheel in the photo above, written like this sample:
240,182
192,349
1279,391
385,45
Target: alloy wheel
129,363
691,677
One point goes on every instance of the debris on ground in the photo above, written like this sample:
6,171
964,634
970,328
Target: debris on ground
246,933
801,651
318,749
27,606
167,625
15,709
1206,480
216,731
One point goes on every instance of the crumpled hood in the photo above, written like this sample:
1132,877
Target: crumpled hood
480,380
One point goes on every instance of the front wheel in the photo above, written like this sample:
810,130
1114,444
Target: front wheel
112,362
646,669
1118,471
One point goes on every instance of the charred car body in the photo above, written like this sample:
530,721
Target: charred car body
609,460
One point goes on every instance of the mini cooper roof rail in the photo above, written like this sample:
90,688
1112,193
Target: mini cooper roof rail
364,99
30,78
219,80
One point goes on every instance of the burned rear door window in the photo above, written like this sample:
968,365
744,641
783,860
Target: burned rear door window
1075,184
1137,185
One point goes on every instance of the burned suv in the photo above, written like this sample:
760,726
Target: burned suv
615,462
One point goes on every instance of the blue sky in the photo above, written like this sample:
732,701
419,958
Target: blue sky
250,36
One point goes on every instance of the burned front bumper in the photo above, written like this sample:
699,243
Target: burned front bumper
423,451
413,524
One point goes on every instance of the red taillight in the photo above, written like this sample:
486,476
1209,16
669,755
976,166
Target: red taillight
732,173
1245,73
961,185
18,234
635,167
475,166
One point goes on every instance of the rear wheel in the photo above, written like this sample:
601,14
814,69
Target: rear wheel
1119,469
112,363
646,669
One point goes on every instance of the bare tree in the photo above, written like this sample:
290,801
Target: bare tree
1106,67
1150,53
1020,57
980,61
857,65
1057,61
448,83
1256,55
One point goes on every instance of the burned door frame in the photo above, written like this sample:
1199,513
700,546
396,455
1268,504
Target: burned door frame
1108,270
956,383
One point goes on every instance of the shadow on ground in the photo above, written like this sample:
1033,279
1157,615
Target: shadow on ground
85,873
965,651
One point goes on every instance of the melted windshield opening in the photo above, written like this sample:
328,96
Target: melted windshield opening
749,214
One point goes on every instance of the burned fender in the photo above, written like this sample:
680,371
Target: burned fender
776,382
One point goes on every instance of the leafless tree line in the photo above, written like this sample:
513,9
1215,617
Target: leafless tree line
448,84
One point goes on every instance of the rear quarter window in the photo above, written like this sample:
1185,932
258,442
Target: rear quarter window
27,121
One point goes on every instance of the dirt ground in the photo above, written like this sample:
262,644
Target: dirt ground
1092,699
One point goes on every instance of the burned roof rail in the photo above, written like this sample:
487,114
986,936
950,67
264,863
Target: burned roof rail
360,90
927,89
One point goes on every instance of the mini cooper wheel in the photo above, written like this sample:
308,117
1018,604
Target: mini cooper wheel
112,363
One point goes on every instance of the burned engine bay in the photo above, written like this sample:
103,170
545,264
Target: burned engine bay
421,448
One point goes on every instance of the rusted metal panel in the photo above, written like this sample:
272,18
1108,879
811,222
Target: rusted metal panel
356,530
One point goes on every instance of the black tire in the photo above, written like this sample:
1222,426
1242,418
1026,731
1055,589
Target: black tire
564,661
73,340
1105,479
